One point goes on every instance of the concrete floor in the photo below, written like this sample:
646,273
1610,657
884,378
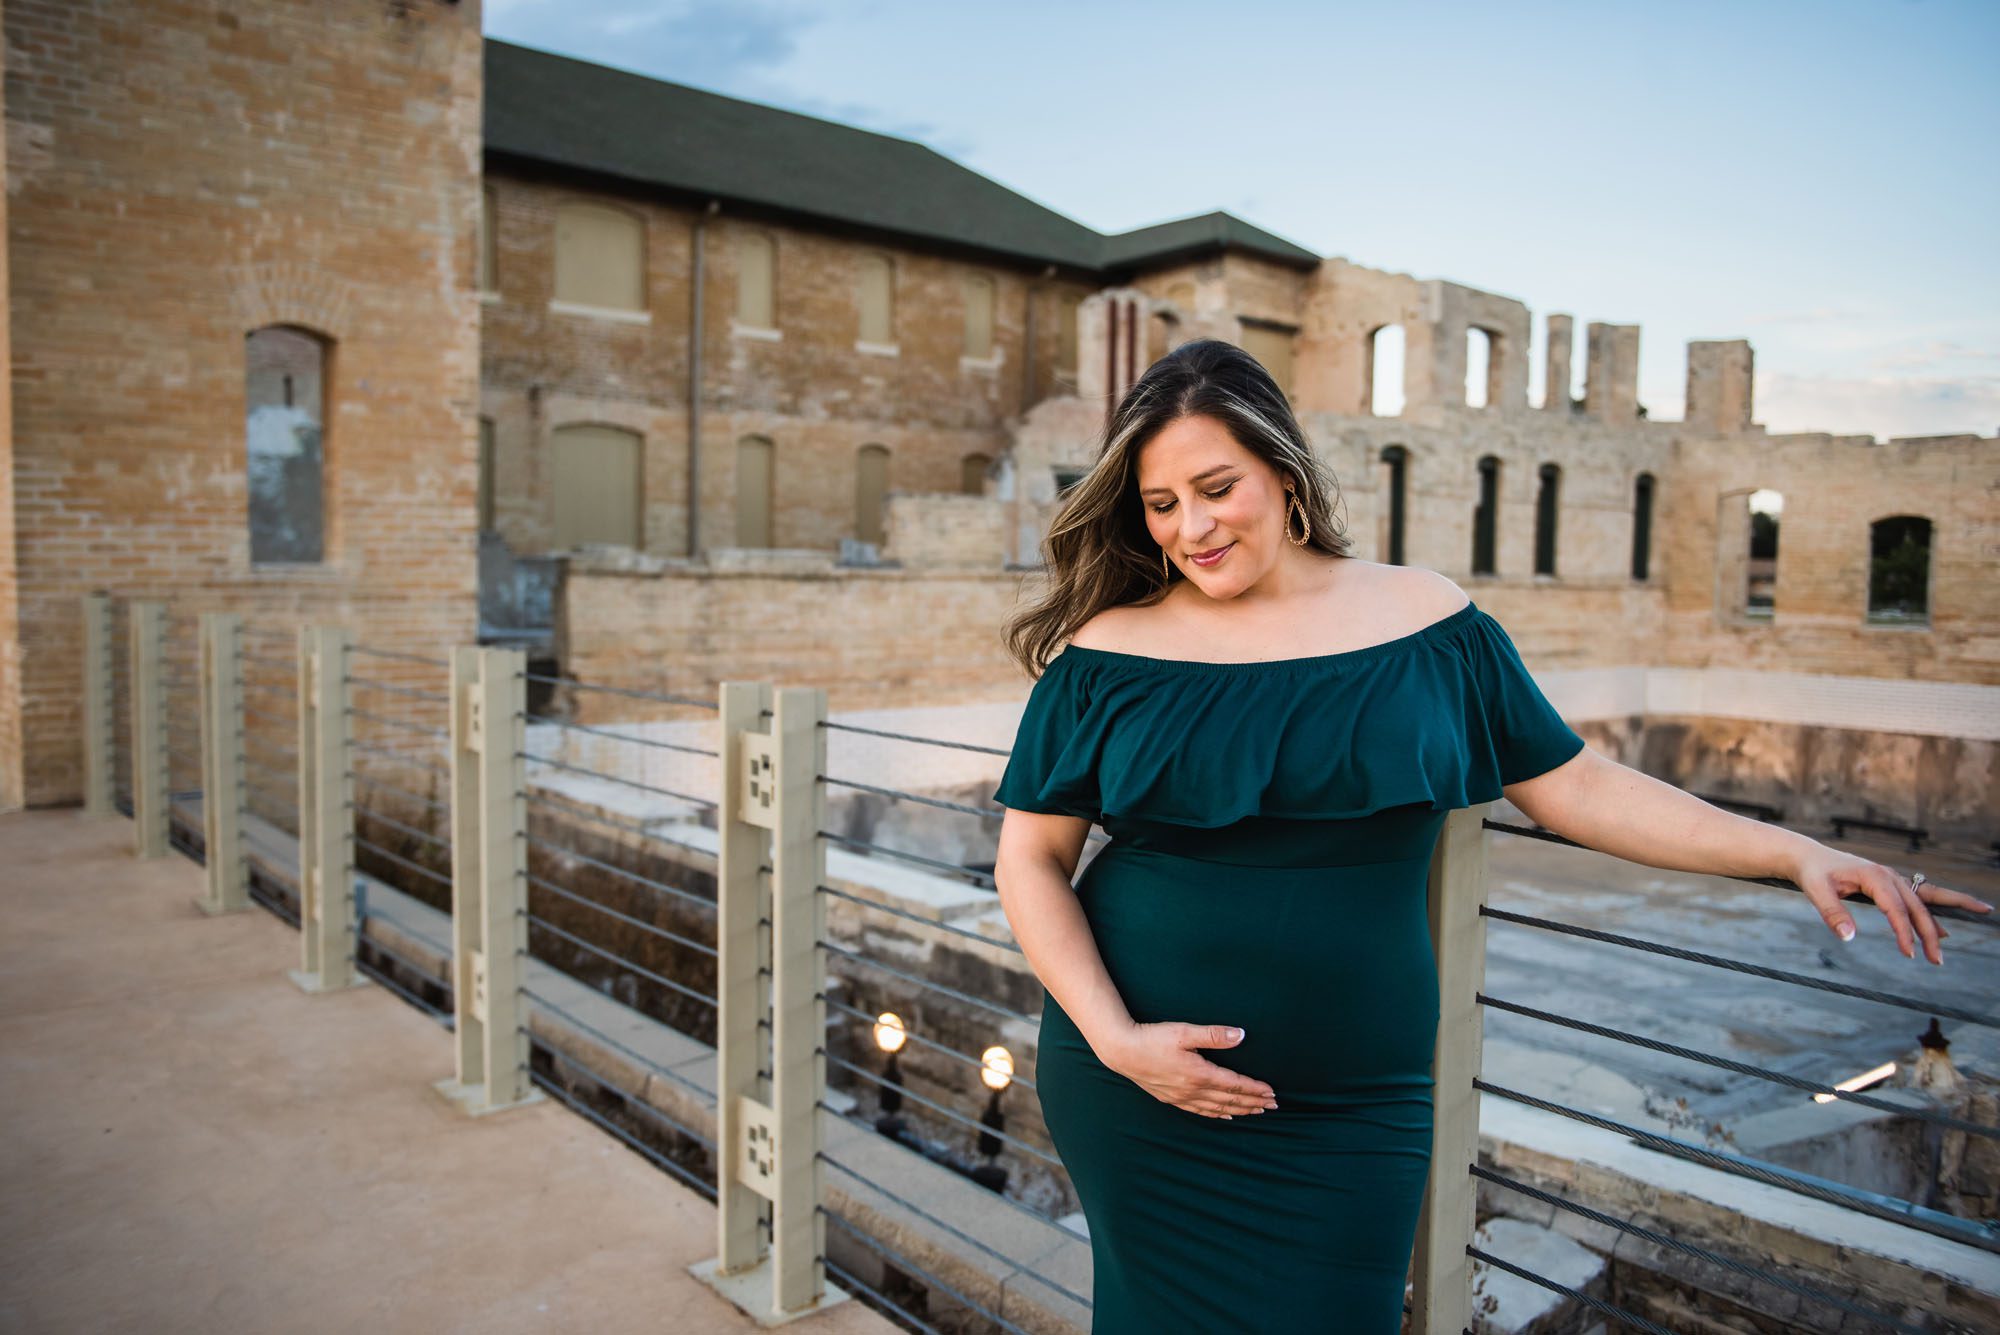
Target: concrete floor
192,1144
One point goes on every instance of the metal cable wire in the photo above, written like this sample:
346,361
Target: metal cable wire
1759,970
411,691
617,736
412,965
610,912
899,794
401,861
907,737
403,758
276,693
571,808
953,992
423,729
1701,1253
636,1057
262,717
931,1043
920,918
399,657
623,963
613,778
1752,1170
981,877
1742,1068
660,886
1941,912
856,1284
1595,1304
445,1018
621,690
393,823
658,1159
630,1099
279,664
953,1229
948,1114
374,782
905,1263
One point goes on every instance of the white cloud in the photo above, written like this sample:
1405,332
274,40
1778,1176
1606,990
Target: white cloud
1882,406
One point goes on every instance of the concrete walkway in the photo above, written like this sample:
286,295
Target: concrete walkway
193,1144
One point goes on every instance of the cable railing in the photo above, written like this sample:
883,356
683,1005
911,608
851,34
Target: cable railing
662,876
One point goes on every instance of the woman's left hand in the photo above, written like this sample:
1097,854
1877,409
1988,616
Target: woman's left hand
1828,875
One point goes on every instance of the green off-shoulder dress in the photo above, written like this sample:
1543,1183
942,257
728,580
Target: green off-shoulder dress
1271,827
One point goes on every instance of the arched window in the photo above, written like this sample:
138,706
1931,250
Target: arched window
871,488
600,258
756,280
1642,526
1396,462
597,485
978,316
1899,569
489,248
1486,517
972,473
1746,553
1382,371
877,300
1547,503
1760,592
1480,347
285,372
756,478
1270,344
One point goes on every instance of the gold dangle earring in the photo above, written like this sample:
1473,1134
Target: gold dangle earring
1166,575
1305,520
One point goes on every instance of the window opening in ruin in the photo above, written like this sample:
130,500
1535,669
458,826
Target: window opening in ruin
1547,506
1485,517
871,489
1382,375
284,388
1396,461
1478,368
1642,526
1899,569
600,258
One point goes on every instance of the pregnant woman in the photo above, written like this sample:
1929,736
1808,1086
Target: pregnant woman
1271,732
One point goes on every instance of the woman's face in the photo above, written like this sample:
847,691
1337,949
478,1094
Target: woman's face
1206,496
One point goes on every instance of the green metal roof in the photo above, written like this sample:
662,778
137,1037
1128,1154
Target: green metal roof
570,113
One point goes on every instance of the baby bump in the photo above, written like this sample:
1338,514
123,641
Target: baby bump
1329,971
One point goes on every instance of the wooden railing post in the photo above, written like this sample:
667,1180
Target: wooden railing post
99,707
149,729
1441,1272
328,934
489,881
768,1149
223,790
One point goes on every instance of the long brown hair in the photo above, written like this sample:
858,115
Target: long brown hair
1098,552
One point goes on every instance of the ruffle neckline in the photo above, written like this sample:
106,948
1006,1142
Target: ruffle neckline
1113,736
1437,630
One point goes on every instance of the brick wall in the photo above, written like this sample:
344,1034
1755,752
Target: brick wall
12,779
181,176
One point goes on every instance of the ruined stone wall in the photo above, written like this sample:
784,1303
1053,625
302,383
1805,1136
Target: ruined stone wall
809,388
180,177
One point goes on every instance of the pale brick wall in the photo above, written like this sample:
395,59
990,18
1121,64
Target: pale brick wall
947,532
12,778
811,391
183,176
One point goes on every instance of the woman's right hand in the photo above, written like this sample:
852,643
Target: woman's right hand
1160,1058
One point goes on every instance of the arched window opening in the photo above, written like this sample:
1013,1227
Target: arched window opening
1396,461
1761,572
871,489
1899,570
600,258
1479,348
285,372
597,487
1642,526
972,473
756,280
756,479
1271,344
1547,504
978,316
1486,517
877,300
1382,372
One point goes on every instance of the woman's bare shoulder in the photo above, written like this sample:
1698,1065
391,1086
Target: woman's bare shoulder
1120,629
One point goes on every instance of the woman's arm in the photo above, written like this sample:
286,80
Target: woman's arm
1033,871
1606,806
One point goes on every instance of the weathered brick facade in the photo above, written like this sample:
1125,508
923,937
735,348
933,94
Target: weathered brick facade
179,176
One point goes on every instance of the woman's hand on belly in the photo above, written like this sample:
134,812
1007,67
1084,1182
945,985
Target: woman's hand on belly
1160,1058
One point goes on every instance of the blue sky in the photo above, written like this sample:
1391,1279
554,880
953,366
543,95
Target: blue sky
1820,178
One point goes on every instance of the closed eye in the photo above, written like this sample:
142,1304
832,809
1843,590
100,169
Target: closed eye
1215,495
